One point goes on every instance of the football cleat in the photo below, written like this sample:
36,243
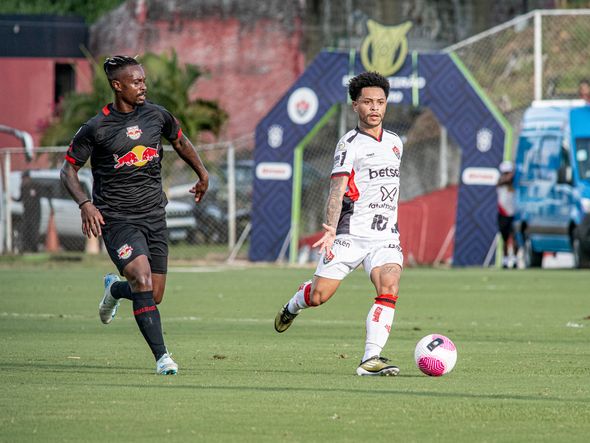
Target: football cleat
377,366
107,308
166,366
284,319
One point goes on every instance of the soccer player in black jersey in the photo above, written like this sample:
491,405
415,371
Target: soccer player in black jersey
123,143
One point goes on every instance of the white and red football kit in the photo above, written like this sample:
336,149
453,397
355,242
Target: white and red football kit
367,229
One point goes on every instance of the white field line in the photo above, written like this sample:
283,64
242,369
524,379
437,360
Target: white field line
44,316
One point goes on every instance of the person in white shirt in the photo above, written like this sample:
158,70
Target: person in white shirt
361,222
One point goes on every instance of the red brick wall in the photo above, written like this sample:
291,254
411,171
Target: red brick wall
250,65
26,94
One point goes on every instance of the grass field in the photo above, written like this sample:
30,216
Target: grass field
523,371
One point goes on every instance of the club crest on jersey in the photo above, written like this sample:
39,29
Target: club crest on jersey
328,257
124,252
133,132
396,152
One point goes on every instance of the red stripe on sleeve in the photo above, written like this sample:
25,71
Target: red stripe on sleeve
70,159
179,133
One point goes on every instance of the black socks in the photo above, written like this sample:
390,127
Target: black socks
121,289
147,317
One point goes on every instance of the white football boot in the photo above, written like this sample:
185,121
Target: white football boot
107,308
166,366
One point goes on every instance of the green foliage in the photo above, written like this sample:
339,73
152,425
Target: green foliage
169,85
90,10
521,375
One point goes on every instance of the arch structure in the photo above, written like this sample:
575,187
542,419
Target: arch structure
438,81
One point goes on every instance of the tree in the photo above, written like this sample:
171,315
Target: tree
169,85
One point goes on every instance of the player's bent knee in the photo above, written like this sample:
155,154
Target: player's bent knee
141,281
316,298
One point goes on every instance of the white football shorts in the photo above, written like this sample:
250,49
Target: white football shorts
348,252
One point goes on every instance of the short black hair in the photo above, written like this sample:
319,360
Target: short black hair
367,80
112,65
584,81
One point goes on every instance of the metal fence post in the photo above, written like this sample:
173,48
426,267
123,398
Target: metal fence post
538,51
8,206
231,195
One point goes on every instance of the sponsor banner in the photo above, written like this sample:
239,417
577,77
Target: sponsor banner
480,176
273,171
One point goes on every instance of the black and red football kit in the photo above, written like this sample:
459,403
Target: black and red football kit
125,154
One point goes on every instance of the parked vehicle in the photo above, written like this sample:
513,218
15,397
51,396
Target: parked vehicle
211,214
552,181
179,217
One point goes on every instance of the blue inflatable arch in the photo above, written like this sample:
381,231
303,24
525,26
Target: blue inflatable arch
438,81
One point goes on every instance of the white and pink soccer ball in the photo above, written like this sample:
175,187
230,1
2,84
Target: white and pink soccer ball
435,355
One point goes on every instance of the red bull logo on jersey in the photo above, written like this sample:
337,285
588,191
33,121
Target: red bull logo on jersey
124,252
133,132
138,156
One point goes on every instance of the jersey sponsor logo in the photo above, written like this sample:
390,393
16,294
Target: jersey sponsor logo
138,156
386,194
133,132
328,257
379,222
124,252
384,172
382,206
370,154
343,243
395,150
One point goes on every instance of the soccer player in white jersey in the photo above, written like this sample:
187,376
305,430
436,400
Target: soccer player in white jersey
361,222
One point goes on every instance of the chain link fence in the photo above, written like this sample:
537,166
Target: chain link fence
542,54
539,55
38,215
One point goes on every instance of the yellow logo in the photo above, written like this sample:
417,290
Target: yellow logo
385,48
138,156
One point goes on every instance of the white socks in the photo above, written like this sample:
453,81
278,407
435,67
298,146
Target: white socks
379,322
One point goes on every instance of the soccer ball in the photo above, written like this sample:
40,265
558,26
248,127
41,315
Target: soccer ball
435,355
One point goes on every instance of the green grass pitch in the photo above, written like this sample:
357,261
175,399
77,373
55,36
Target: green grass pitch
523,369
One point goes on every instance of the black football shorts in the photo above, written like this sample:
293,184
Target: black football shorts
505,226
126,240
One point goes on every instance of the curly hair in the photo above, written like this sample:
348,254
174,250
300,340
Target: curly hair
112,65
367,80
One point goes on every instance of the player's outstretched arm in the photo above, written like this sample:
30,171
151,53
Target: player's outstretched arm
188,153
91,217
333,209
